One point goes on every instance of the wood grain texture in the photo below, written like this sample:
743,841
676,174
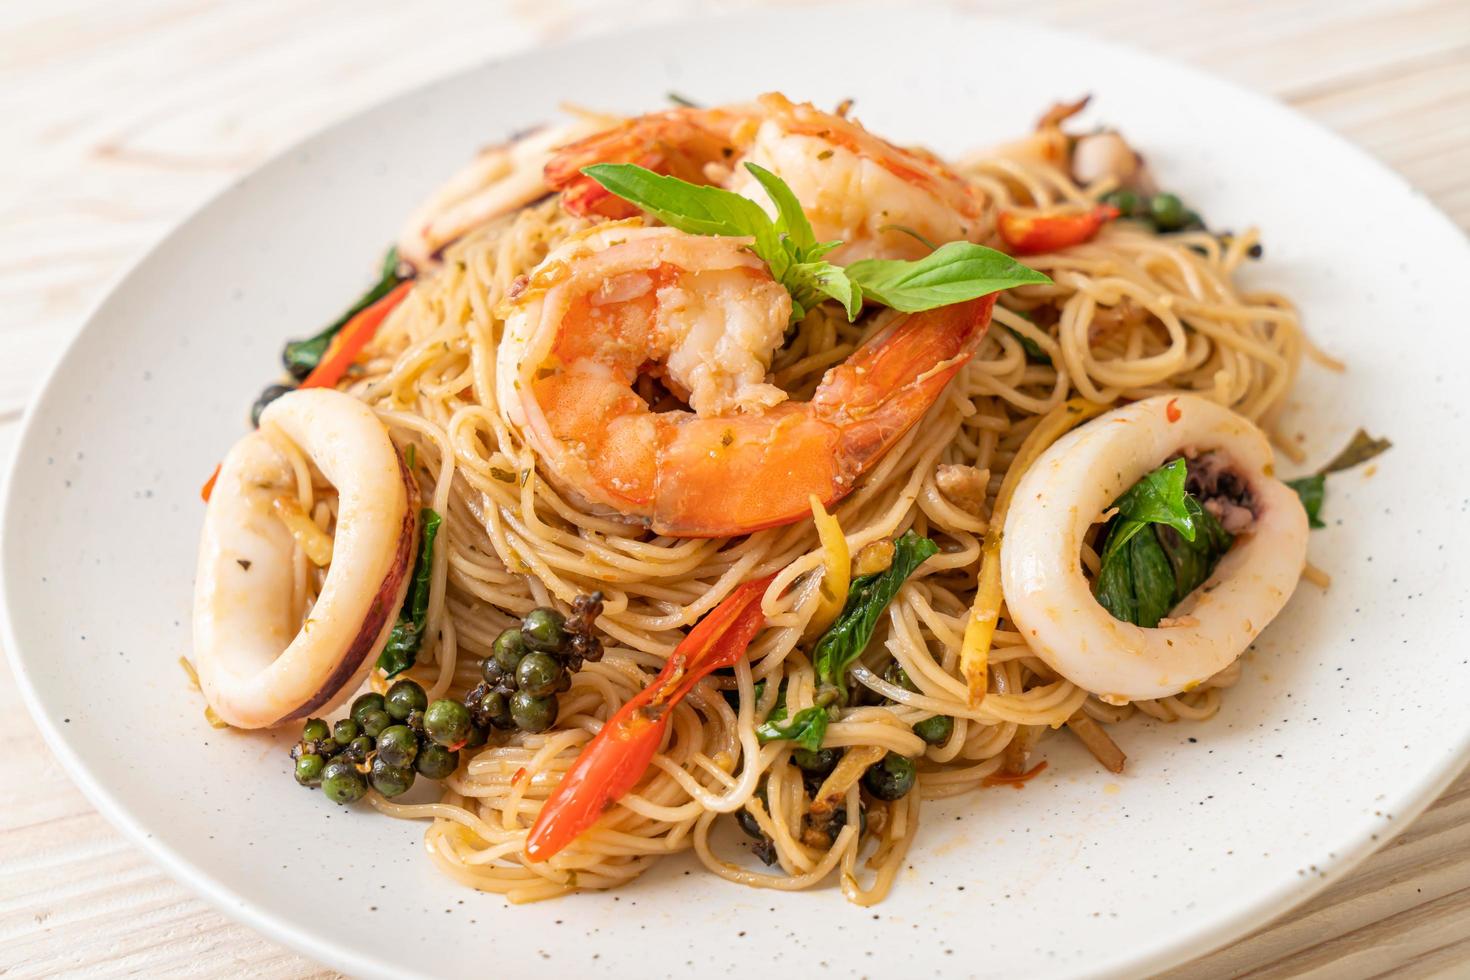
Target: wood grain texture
118,118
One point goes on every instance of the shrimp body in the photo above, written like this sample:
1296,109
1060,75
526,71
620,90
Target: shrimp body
704,315
1069,488
258,665
854,187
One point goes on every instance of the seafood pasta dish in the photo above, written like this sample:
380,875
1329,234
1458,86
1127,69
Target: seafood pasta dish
736,481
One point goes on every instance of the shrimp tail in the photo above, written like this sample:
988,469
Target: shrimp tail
891,381
733,475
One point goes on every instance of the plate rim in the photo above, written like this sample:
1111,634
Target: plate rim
1187,945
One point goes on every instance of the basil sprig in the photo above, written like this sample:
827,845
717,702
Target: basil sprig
302,356
407,636
1160,547
953,273
867,597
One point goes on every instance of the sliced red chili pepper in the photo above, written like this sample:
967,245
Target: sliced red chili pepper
619,754
352,338
208,487
1029,234
1171,410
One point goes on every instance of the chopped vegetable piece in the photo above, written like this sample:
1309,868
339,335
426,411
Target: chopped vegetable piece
402,649
347,344
836,570
1098,742
208,487
1030,234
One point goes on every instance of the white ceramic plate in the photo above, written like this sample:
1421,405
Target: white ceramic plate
1349,721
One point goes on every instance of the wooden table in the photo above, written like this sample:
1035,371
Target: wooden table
118,118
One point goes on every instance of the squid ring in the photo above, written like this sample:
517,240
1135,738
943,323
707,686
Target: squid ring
258,665
1068,489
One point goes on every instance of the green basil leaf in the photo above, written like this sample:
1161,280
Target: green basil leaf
1033,350
302,356
1360,449
791,221
407,635
1158,498
951,274
867,597
1113,588
694,208
807,729
1153,579
1193,561
1161,547
811,282
1313,491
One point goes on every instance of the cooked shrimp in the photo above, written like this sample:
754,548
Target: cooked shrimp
499,180
1067,490
705,315
854,187
257,664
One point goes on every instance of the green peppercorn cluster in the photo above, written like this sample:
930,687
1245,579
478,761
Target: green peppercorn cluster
386,742
1165,213
532,663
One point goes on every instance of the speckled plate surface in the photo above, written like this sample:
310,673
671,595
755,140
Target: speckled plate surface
1349,720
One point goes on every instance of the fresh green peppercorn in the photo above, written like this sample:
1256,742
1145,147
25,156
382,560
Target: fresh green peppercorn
365,703
1193,221
532,714
1123,199
342,782
344,731
564,683
1167,212
891,777
309,769
820,762
510,647
447,722
397,745
936,729
373,721
538,674
403,698
435,761
389,780
490,670
476,738
542,629
315,730
360,748
899,677
496,707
